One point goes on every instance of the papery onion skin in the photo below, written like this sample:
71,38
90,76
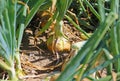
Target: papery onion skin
60,44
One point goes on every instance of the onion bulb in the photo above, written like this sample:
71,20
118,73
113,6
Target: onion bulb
59,44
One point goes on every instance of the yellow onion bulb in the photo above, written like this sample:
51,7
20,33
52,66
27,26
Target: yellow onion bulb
60,44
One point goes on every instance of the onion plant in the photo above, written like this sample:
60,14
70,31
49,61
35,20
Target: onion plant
13,20
58,41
